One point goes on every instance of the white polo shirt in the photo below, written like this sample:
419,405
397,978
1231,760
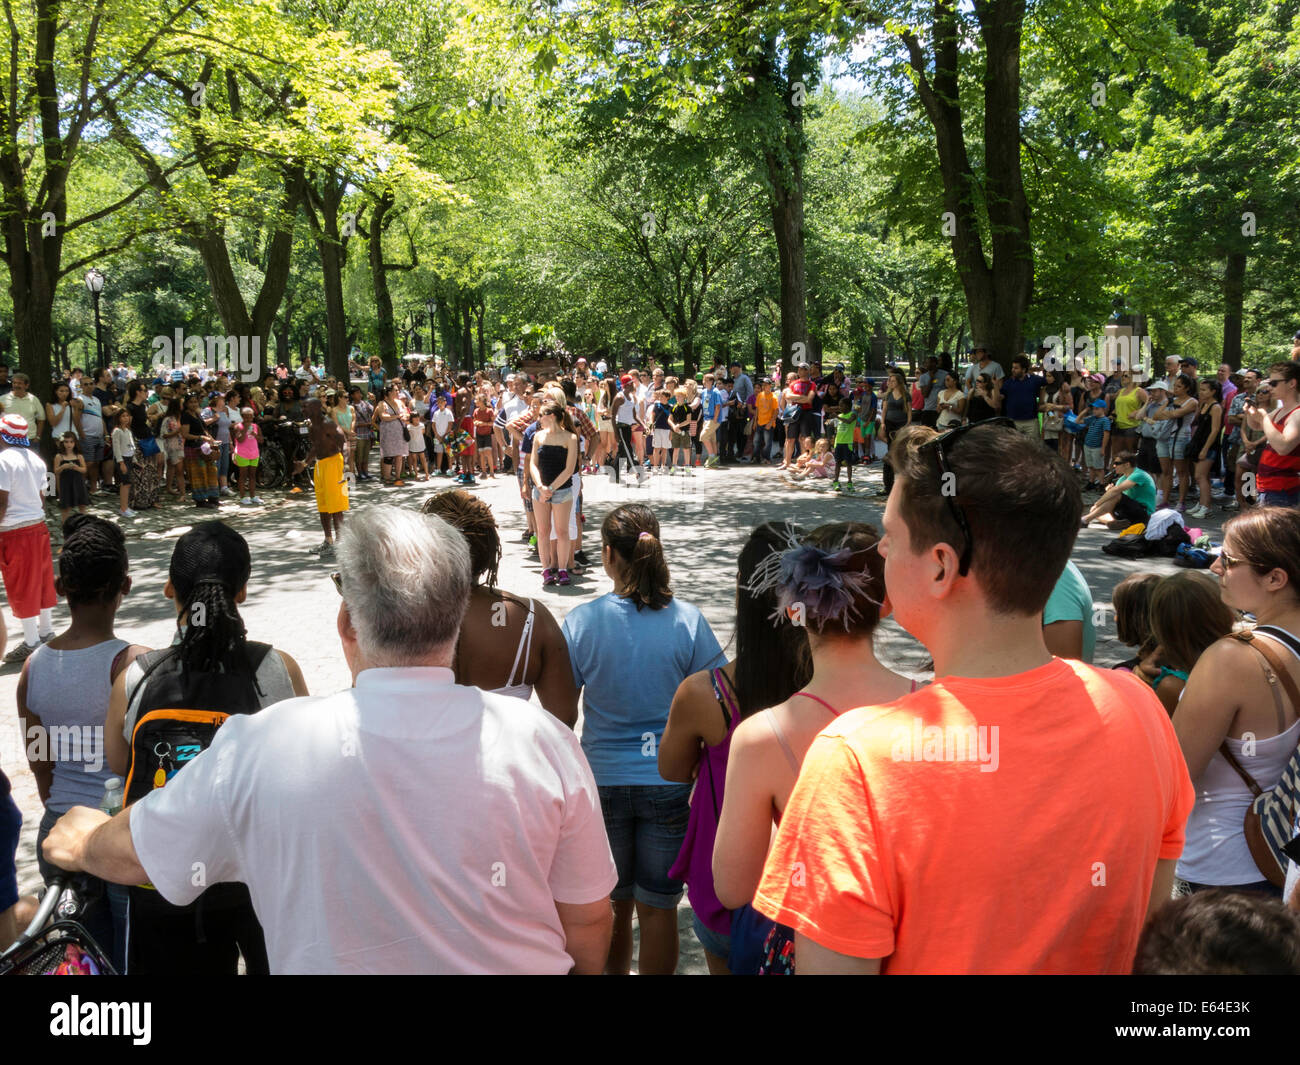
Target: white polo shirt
407,825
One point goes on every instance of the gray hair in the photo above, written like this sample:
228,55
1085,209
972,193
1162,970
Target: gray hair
406,581
22,377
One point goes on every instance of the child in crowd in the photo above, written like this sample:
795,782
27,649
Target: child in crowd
70,474
1187,615
174,447
814,463
247,452
679,427
662,437
417,447
846,430
123,453
1131,601
1096,439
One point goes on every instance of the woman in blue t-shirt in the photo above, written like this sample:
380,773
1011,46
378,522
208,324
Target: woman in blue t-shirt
625,707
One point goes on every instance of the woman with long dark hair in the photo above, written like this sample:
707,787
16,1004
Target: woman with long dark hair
1203,450
211,665
147,466
771,663
625,709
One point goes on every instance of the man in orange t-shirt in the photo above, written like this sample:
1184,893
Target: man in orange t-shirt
1023,813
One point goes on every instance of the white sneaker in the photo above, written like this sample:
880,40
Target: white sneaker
226,491
128,513
247,501
258,501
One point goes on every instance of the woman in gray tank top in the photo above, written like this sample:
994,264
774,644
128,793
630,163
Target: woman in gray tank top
63,697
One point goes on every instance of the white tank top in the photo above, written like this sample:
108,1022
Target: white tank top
1216,850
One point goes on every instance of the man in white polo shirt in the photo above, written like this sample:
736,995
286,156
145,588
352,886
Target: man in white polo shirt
405,825
25,559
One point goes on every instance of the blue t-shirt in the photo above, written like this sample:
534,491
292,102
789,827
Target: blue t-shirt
1094,430
662,411
1071,600
628,663
712,397
1020,398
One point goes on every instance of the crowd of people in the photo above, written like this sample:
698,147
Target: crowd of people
797,785
779,785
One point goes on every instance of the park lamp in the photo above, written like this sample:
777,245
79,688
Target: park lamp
94,281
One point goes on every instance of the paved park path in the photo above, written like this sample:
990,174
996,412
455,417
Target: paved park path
705,518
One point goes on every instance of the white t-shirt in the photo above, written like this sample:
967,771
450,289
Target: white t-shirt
513,406
407,825
973,371
442,420
23,476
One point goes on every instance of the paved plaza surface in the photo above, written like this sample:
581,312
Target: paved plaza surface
704,516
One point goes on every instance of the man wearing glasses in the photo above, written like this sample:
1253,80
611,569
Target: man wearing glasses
1058,789
1131,499
1278,477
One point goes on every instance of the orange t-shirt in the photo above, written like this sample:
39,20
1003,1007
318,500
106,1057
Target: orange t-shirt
1007,825
766,405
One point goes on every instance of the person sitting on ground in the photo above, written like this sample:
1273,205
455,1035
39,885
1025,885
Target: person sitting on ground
968,575
1220,933
1131,500
1187,616
1069,629
489,655
771,663
494,861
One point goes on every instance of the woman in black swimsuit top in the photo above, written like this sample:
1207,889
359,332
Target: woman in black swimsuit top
551,460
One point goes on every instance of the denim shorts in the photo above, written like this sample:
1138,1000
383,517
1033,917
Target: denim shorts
646,826
564,495
714,942
1280,499
1174,448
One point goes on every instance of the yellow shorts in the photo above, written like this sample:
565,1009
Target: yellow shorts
331,485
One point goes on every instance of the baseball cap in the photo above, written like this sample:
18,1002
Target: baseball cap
13,430
625,379
1098,403
1187,360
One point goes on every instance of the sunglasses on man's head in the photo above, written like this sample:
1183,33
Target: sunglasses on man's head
943,444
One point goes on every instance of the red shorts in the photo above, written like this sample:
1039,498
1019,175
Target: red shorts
28,570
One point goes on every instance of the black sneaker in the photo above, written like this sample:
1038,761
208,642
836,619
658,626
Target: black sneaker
580,557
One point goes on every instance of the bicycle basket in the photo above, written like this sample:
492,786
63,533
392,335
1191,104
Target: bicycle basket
64,948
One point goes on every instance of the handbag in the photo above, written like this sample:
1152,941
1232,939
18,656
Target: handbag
406,433
1070,423
149,446
1271,816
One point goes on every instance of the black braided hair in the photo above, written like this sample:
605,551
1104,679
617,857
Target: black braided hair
209,566
93,564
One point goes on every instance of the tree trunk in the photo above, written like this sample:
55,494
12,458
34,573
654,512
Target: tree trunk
379,275
480,311
326,200
997,293
1234,295
787,224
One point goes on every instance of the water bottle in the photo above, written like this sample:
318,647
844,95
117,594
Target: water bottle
111,803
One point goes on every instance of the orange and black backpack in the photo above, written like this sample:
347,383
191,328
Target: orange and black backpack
177,715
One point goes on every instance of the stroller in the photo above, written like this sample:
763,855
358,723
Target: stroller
61,947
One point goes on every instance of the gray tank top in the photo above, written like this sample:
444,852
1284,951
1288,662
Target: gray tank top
272,678
68,691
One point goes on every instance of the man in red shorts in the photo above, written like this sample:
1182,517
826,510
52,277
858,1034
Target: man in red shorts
26,563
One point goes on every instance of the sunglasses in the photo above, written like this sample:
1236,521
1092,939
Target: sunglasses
943,445
1232,560
1273,382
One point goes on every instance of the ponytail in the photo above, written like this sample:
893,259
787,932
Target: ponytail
632,533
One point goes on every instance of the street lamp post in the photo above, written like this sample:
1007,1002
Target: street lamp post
95,285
